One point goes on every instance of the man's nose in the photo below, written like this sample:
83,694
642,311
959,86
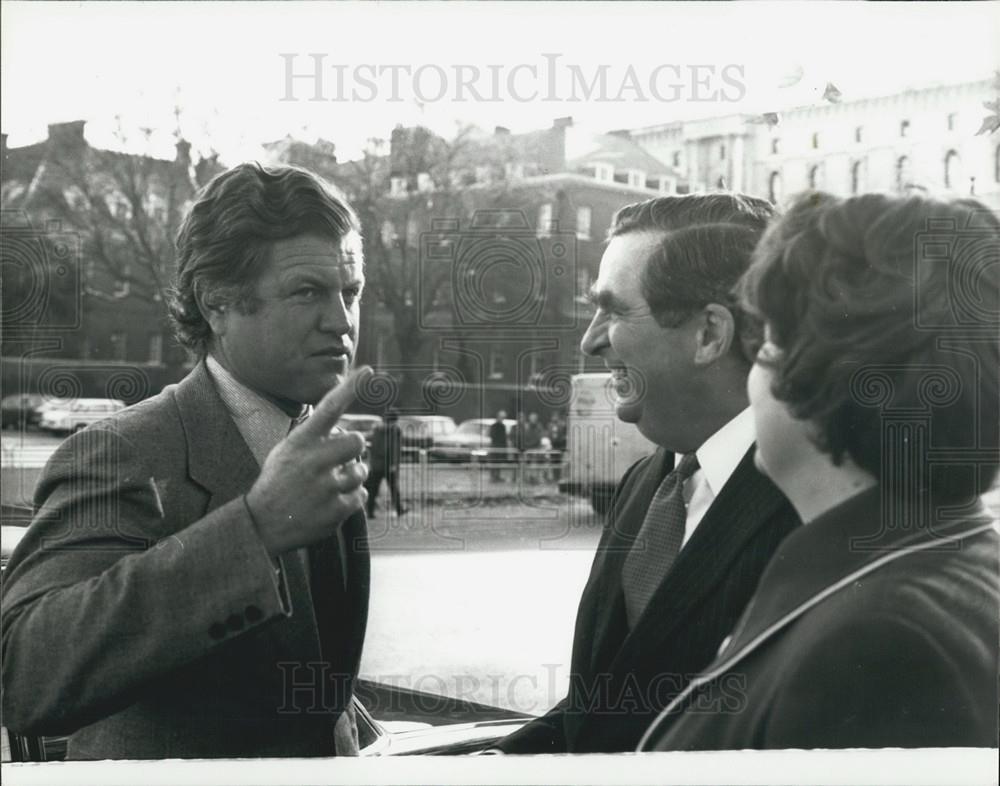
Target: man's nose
596,336
336,317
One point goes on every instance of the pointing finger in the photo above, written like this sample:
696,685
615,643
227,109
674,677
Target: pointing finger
326,414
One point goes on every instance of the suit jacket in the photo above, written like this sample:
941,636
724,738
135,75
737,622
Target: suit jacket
620,679
859,636
142,614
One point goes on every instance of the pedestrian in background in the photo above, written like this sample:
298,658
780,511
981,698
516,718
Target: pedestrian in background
557,440
498,445
384,457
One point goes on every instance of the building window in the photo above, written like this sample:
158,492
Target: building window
583,282
904,128
118,348
636,178
816,179
534,366
514,171
677,159
774,189
722,152
815,140
902,173
484,174
775,146
859,134
424,182
952,170
397,186
412,232
545,220
583,222
996,165
604,172
952,121
155,353
857,177
496,364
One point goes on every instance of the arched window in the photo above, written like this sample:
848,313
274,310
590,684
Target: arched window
903,175
858,183
816,179
953,171
774,189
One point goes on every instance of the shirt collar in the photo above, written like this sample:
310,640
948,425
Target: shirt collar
721,453
261,423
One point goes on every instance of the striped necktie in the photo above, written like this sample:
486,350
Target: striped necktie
658,542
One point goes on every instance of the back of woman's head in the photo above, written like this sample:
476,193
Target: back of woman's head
886,313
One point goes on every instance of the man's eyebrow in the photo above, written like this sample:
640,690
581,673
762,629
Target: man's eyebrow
601,298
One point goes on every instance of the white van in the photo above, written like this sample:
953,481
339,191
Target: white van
599,446
75,414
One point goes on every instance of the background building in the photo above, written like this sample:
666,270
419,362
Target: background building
479,253
924,139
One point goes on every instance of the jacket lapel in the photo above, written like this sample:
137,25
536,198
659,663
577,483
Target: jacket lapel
745,504
218,458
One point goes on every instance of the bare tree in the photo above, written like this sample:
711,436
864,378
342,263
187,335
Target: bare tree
398,195
127,209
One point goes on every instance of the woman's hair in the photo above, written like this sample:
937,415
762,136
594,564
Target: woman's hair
225,240
886,311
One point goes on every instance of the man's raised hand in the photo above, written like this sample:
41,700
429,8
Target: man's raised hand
311,482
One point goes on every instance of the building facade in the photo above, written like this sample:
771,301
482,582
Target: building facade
923,139
480,258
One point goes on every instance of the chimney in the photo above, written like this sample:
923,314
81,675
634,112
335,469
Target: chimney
501,131
183,148
69,135
562,122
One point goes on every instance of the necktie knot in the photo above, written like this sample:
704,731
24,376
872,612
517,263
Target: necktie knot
687,466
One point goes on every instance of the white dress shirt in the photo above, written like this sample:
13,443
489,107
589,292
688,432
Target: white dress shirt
718,457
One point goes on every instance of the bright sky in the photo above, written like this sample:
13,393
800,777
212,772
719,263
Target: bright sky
222,63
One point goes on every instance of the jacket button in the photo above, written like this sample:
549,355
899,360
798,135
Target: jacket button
253,614
234,622
217,631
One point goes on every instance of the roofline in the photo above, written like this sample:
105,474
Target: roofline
912,91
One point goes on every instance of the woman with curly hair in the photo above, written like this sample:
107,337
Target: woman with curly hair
875,398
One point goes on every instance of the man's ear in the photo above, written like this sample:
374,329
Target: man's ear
716,331
214,309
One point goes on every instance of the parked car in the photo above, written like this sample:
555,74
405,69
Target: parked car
471,442
75,414
363,424
423,431
21,409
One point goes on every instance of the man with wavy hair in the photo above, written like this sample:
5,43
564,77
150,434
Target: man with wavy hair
195,580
